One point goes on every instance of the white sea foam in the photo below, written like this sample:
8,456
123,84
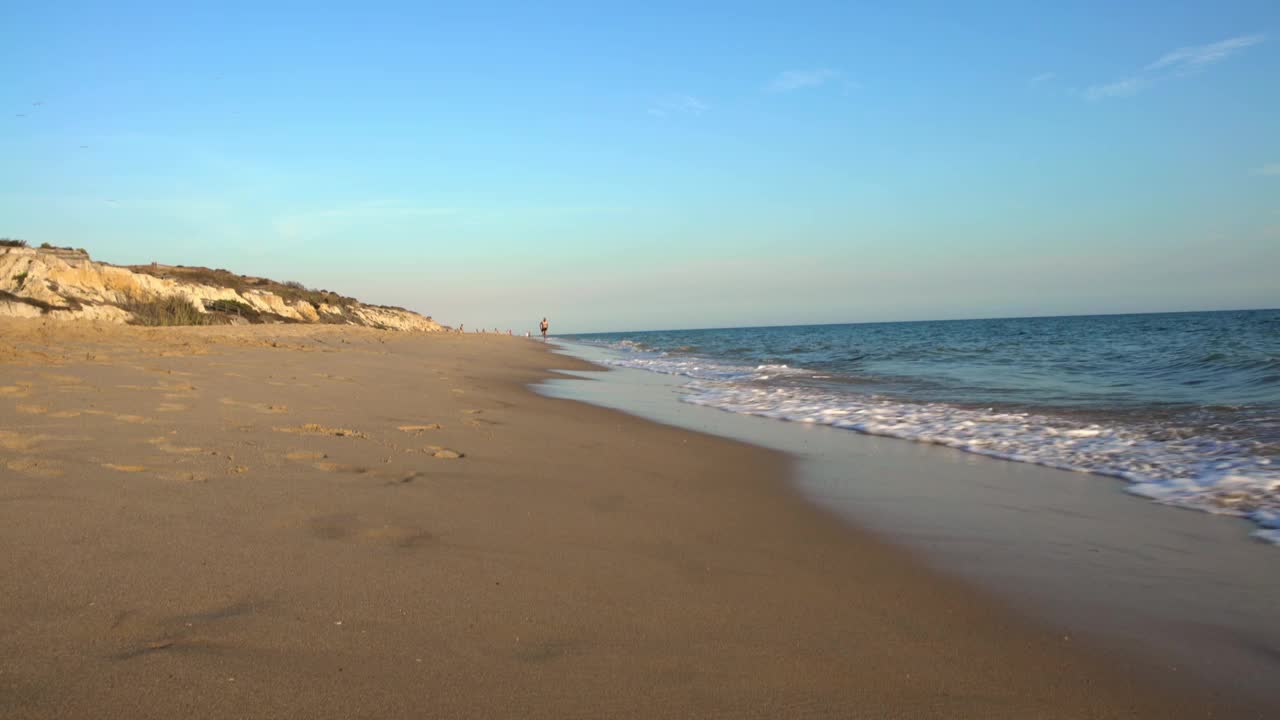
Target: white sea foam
1213,475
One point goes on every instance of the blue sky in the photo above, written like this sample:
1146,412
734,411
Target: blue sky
616,167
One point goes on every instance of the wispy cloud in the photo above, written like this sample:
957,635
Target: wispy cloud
1177,62
1270,169
799,79
1041,79
1119,88
670,105
1190,58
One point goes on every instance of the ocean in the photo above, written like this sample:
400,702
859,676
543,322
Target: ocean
1184,407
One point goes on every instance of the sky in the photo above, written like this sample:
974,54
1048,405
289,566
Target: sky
617,166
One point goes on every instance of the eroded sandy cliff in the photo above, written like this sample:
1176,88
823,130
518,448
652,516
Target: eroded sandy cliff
67,284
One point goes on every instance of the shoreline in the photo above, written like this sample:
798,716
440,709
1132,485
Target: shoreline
1180,591
325,522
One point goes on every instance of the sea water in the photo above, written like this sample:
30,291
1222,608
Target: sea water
1185,407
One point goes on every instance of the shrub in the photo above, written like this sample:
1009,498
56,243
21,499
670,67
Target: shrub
46,246
44,306
291,292
233,307
20,279
12,242
239,309
168,311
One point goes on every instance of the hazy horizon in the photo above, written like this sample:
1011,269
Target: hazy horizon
671,167
918,320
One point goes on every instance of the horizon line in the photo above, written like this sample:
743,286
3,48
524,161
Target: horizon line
901,322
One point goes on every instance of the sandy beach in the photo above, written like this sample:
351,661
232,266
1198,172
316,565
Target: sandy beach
318,521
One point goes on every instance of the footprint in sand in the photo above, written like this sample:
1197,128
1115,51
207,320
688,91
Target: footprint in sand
66,383
329,466
63,379
404,478
37,468
125,468
183,476
437,451
347,527
18,441
327,376
162,444
20,390
419,429
135,419
318,429
169,371
301,455
333,527
260,407
402,537
191,632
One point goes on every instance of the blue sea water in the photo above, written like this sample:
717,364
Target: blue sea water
1183,406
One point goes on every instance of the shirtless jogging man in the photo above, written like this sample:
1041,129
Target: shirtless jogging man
543,327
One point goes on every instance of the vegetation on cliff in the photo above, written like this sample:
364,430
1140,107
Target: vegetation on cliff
65,283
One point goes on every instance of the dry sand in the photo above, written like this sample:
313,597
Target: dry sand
303,521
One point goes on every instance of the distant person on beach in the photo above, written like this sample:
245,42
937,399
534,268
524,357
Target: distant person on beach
543,327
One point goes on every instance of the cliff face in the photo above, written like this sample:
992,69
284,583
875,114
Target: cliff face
67,284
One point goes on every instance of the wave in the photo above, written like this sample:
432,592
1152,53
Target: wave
1223,475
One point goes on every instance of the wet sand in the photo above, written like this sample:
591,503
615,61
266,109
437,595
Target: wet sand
1189,594
302,521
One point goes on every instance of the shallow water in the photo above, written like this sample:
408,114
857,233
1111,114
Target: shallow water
1183,406
1185,593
